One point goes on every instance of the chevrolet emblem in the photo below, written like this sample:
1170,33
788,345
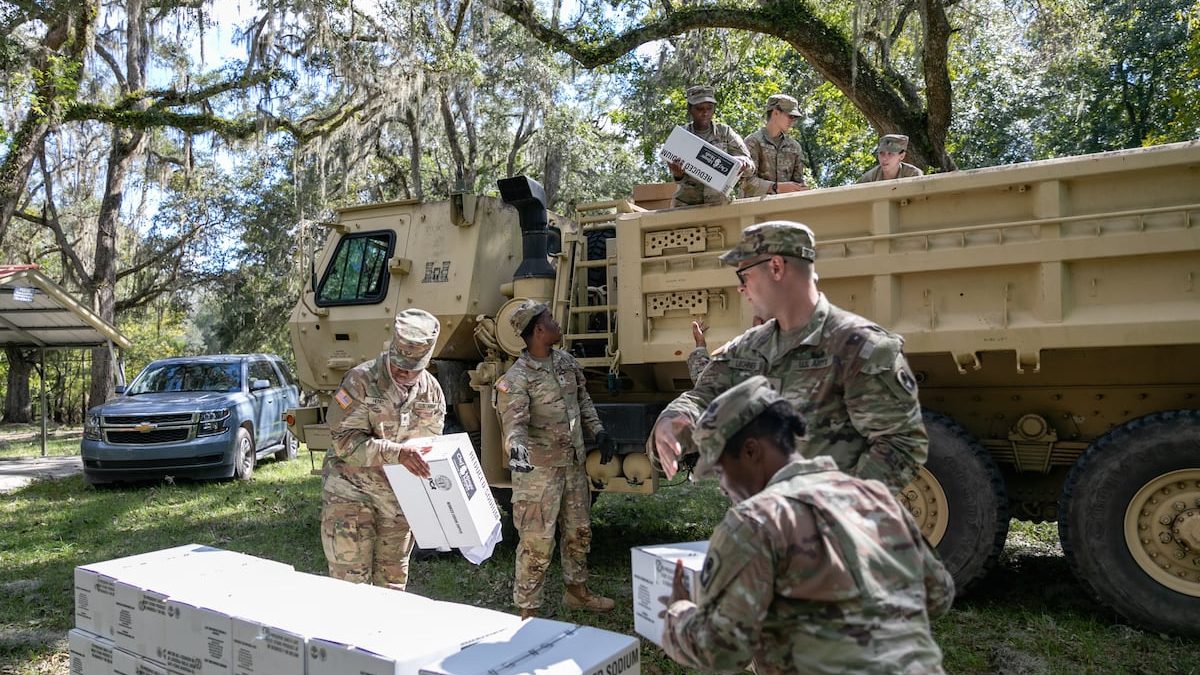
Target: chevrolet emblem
146,427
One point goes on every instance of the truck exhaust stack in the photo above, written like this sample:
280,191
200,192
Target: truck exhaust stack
528,197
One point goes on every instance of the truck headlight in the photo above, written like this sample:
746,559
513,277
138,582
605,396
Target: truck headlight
212,422
91,428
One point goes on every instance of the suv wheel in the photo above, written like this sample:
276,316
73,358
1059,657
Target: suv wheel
291,446
243,458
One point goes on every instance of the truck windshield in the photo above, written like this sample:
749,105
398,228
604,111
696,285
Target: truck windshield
357,274
176,377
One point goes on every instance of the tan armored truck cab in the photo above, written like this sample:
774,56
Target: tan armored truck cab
1051,314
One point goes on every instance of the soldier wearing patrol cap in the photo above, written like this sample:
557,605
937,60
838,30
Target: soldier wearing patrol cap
811,570
544,405
844,374
701,106
891,151
777,157
380,405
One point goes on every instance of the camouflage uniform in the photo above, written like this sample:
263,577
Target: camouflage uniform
845,375
891,143
690,191
875,174
543,409
697,361
363,531
819,572
778,159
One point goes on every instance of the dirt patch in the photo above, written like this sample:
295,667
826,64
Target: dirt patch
17,473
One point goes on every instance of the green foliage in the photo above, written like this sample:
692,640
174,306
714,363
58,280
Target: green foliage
157,331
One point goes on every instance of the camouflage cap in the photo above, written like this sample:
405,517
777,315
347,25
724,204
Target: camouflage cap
892,143
413,337
785,103
728,414
701,94
526,312
775,237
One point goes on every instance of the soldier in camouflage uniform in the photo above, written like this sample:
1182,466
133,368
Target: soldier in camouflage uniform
380,405
844,374
811,570
702,104
544,405
891,151
778,158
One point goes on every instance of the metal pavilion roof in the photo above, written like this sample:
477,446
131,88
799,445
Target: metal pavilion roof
36,312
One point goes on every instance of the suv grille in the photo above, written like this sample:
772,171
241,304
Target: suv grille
147,419
147,438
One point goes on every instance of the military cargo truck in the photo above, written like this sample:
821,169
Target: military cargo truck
1051,312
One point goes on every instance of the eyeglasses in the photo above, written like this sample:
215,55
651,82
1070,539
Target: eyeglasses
741,273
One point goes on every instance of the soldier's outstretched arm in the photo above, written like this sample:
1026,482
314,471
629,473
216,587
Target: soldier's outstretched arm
719,631
881,398
755,186
512,402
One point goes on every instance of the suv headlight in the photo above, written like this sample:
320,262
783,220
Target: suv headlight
91,428
212,422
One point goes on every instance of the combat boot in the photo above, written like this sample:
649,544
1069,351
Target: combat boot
529,613
577,596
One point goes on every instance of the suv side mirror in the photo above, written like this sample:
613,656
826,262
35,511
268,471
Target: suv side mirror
119,389
255,385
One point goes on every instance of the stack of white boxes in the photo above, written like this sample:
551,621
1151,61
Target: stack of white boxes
198,610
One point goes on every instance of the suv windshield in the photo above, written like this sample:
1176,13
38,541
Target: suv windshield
173,377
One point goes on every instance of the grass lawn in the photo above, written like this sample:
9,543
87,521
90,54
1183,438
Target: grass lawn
25,440
1030,616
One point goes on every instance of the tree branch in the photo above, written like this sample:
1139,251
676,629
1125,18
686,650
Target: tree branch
71,260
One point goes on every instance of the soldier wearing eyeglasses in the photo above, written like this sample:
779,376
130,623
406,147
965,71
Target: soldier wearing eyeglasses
844,374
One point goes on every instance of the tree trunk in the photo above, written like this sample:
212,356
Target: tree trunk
125,145
17,404
70,25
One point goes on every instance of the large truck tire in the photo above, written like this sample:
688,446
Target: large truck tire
1129,521
959,500
597,248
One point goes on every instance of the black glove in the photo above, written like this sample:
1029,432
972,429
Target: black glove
518,459
607,446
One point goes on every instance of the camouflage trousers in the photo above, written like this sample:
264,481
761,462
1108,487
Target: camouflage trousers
363,531
543,499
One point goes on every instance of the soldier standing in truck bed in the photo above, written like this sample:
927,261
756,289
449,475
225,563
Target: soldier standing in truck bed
380,405
778,158
701,106
544,405
844,374
890,152
811,570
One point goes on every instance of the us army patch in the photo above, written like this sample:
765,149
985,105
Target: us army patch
809,364
343,399
712,563
906,380
374,400
502,385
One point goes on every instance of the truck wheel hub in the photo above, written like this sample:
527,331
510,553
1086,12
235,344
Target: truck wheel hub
926,501
1162,530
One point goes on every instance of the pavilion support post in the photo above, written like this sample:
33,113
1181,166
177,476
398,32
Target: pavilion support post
42,387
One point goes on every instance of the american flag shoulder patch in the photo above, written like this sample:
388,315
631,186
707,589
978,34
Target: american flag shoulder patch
343,399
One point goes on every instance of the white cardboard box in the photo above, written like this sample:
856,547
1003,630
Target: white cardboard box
142,593
653,575
95,586
454,507
398,637
90,654
702,160
547,648
126,663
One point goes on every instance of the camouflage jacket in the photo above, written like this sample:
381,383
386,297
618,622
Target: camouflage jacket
691,191
368,408
818,573
777,160
546,410
875,174
848,379
697,361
